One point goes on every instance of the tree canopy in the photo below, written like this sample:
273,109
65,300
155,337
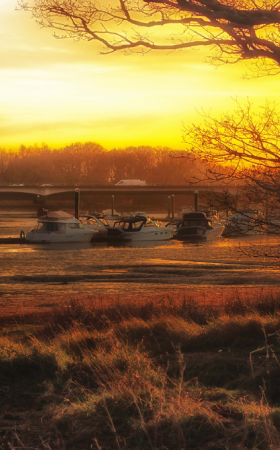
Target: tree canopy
90,164
233,29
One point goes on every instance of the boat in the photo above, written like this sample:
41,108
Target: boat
59,226
97,223
138,228
242,222
194,225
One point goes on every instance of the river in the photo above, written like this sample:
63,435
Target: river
36,276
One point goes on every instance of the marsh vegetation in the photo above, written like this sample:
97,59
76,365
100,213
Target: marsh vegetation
172,373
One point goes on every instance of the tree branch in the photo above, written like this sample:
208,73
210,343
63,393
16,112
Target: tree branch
236,33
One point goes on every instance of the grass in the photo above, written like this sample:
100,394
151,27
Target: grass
169,374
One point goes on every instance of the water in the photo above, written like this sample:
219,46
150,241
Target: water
36,276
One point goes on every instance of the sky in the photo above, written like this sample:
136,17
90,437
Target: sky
59,92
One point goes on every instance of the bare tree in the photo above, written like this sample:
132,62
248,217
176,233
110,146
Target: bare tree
234,30
242,148
248,136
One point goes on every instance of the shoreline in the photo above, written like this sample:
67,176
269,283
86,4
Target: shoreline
15,305
16,214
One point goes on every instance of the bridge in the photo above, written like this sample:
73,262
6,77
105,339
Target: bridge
46,191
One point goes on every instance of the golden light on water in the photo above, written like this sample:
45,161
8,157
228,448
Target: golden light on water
58,91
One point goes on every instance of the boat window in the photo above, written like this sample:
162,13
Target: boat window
150,223
89,221
136,226
39,226
119,224
51,227
194,223
104,222
128,226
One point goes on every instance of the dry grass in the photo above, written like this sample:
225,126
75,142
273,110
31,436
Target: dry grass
168,374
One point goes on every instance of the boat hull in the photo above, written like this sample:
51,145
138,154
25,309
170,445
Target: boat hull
55,238
192,233
160,234
151,236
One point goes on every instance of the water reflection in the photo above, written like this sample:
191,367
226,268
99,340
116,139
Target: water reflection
98,245
58,246
141,244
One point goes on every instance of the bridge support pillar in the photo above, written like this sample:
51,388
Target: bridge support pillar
173,205
168,206
77,203
195,200
113,204
41,202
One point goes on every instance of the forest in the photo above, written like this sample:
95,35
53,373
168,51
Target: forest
91,164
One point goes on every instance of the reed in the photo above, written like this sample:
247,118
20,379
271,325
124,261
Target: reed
170,373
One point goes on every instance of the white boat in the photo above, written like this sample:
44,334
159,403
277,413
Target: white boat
139,228
96,223
242,222
58,226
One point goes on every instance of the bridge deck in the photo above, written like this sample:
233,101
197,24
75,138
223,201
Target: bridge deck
113,190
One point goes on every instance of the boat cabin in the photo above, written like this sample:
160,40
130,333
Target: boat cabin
130,225
196,219
134,223
88,219
195,225
49,226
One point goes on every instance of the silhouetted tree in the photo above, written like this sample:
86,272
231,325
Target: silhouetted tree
247,145
235,30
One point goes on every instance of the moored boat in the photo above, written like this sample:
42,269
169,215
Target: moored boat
139,228
59,226
242,222
194,225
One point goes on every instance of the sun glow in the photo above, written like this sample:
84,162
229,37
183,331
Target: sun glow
57,91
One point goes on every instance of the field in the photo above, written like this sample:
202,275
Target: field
169,374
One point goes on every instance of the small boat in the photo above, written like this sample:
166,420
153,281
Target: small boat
59,226
194,225
139,228
97,223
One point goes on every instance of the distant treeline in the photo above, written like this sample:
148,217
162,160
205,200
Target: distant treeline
90,164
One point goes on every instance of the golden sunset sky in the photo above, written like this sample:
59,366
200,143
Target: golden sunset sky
59,91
